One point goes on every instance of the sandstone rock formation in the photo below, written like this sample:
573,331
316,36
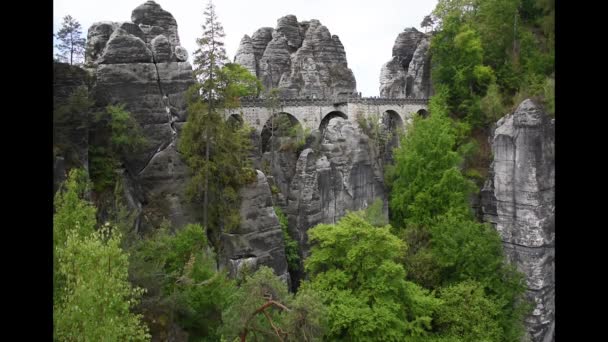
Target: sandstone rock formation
140,64
300,58
407,74
259,239
519,200
115,42
340,174
137,64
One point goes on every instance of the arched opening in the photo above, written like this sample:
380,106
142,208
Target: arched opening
391,120
423,113
328,117
278,127
235,120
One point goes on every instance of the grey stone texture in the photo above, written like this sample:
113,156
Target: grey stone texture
341,174
302,59
136,66
258,239
407,74
519,200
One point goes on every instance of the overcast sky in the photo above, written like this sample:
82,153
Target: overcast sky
367,28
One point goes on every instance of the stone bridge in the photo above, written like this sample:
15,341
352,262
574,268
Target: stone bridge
316,113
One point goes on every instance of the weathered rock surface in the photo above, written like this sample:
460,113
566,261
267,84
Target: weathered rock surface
519,200
152,90
161,49
245,55
407,74
342,174
259,239
70,130
121,42
181,54
97,38
154,21
123,47
300,58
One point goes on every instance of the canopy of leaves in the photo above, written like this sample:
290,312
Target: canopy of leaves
355,266
184,287
92,295
235,81
430,208
510,42
262,308
117,136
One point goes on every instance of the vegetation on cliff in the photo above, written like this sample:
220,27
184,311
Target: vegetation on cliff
433,272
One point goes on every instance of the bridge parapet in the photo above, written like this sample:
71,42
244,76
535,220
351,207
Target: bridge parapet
387,101
307,102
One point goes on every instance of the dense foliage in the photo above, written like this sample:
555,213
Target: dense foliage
262,309
183,286
430,210
506,46
117,136
92,295
355,267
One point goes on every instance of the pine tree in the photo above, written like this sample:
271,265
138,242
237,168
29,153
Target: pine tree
208,59
215,150
71,44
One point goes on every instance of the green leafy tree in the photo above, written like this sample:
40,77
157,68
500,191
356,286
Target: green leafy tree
262,308
425,180
429,204
92,295
71,44
235,81
183,286
72,214
355,266
118,136
467,314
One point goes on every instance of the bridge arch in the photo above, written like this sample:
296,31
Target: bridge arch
392,120
280,124
331,115
423,112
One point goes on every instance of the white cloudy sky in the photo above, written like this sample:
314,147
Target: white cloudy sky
367,28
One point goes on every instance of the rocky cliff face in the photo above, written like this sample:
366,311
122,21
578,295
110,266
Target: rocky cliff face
259,239
519,200
301,58
142,65
407,74
339,174
70,130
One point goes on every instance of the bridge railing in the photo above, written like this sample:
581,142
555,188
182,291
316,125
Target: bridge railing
300,102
